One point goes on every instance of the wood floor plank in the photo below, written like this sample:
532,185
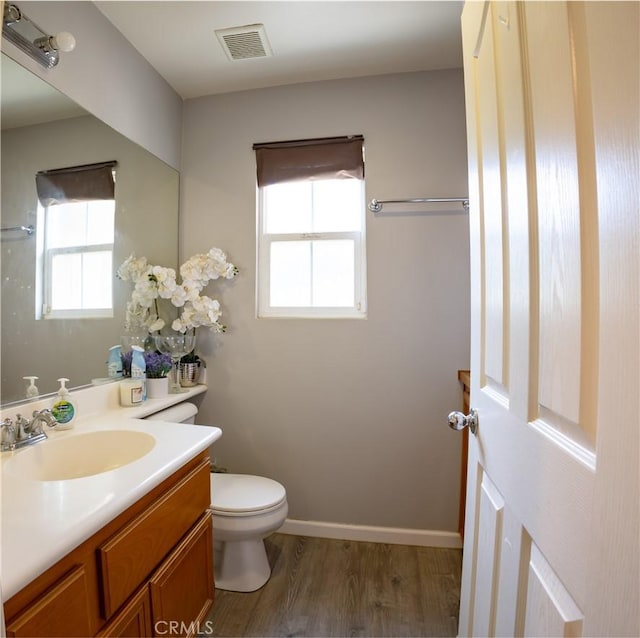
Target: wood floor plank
323,588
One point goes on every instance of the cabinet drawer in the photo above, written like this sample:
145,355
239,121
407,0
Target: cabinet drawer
62,611
134,552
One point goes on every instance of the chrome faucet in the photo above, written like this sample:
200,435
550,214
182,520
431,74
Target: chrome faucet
24,432
39,417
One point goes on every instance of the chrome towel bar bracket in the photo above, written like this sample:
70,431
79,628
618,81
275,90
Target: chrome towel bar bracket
26,229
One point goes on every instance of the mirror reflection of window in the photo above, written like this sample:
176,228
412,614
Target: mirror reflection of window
77,212
78,259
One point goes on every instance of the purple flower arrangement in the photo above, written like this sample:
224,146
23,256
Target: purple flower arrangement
158,364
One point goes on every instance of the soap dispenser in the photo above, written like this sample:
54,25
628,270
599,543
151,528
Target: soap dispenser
63,409
32,390
114,363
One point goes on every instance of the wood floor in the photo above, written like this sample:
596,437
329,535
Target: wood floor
331,588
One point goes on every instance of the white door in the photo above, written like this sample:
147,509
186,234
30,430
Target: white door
552,526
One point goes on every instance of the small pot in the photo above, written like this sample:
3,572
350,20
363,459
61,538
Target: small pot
189,374
157,388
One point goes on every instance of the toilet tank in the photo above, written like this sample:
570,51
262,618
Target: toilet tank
180,413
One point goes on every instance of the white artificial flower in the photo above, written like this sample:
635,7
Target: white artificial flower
179,326
193,270
132,268
178,296
157,282
215,254
156,325
191,289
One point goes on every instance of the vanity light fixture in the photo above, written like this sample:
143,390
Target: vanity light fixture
31,39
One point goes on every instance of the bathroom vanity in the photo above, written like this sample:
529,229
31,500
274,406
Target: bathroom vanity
125,552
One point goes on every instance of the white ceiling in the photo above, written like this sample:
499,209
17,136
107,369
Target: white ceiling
310,40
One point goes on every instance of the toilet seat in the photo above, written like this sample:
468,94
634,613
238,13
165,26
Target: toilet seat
244,494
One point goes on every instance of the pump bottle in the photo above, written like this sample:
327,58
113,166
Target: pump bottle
63,409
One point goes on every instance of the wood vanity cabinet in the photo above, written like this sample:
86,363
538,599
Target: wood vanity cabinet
150,568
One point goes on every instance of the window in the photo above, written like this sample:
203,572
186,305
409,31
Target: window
78,254
311,236
76,247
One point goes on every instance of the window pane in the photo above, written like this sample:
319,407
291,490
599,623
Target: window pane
66,282
81,224
96,284
337,205
287,208
66,225
333,273
81,281
100,222
290,274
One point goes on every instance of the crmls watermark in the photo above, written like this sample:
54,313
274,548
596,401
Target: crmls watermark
181,628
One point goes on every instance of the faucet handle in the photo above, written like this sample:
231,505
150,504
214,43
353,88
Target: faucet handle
8,439
23,427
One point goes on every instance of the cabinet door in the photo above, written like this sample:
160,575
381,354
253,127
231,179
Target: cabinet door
135,551
182,589
134,621
62,611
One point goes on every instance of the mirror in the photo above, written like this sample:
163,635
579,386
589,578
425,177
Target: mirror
41,130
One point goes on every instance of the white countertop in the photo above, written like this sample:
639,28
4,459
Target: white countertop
42,521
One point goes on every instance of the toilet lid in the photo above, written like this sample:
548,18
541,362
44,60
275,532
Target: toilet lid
244,493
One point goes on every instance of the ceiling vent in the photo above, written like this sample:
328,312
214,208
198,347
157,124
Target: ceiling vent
243,43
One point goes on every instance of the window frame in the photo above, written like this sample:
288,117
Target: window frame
263,262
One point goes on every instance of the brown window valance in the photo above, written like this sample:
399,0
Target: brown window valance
323,158
76,184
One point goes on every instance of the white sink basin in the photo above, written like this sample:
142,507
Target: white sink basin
80,455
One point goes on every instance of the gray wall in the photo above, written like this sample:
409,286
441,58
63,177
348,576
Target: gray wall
107,76
349,415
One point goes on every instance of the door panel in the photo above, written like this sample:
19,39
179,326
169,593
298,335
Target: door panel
540,463
490,514
490,174
550,609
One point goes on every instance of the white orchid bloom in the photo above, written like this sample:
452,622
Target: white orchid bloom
191,289
156,325
132,268
153,282
179,297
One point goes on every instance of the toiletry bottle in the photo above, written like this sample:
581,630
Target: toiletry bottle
114,363
139,368
32,391
63,409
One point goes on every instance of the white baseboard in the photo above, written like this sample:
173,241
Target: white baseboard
393,535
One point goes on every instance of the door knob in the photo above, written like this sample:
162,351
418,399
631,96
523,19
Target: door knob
459,421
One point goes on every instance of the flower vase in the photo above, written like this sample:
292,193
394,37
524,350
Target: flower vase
157,388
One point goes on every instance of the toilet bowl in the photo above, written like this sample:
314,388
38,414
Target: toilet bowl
246,509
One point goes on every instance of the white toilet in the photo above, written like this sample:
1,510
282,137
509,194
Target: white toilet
246,509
